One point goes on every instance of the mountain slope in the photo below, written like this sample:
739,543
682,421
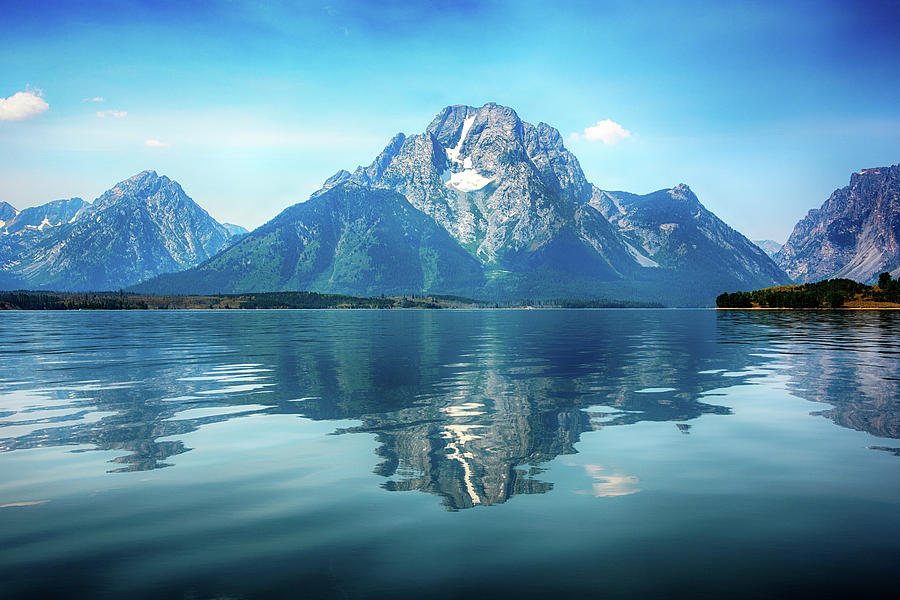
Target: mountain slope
349,239
509,192
143,226
40,218
7,213
671,230
854,235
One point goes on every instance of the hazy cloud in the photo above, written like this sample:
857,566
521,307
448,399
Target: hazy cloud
94,99
23,105
155,144
607,131
116,114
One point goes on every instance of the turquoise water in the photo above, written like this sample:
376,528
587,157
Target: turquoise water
365,454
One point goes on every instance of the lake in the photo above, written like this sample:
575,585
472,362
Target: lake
485,453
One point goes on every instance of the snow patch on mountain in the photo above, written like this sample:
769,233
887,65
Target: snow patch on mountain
453,153
469,180
640,258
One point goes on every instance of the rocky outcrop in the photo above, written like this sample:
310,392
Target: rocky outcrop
854,235
509,192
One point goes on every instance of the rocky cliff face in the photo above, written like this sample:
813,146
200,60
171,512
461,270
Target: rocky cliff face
144,226
855,234
671,230
509,192
349,239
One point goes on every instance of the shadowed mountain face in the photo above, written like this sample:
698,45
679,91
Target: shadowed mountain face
7,213
854,235
350,239
143,226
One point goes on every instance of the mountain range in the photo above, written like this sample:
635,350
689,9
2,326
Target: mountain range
140,228
480,204
514,200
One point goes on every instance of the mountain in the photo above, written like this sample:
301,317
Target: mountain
671,231
39,218
514,202
348,239
770,247
854,235
144,226
507,191
7,213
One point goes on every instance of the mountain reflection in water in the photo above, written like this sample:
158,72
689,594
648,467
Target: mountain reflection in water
466,405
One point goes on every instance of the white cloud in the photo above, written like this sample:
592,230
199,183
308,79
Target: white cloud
116,114
155,144
607,131
23,105
94,99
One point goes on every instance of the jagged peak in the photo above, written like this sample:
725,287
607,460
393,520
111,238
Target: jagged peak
448,123
340,176
551,135
682,192
874,173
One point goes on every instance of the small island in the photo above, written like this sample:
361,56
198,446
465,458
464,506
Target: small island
831,293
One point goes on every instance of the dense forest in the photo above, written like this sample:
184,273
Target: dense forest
832,293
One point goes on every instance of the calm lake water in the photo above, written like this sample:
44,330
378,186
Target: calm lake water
365,454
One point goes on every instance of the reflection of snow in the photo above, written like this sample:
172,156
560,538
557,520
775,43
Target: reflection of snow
467,409
458,436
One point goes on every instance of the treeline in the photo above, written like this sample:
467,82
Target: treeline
832,293
52,301
40,300
309,300
888,289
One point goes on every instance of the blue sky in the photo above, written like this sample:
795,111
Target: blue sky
763,108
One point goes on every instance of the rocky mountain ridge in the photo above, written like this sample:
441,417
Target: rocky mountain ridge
854,235
143,226
507,191
348,239
481,203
